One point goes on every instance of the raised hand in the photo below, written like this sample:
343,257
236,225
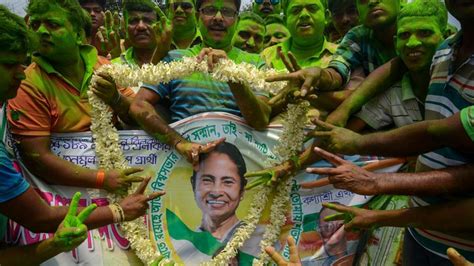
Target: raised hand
354,218
279,260
72,231
336,139
135,205
307,77
120,181
346,175
163,31
291,91
191,150
108,36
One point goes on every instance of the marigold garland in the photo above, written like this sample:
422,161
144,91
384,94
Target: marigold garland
110,155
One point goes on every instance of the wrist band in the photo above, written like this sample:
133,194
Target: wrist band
117,213
100,177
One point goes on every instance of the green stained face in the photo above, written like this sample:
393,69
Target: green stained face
140,30
378,13
306,20
266,8
249,36
416,41
275,34
11,73
57,37
181,13
217,23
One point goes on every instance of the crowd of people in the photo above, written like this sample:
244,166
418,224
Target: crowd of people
383,77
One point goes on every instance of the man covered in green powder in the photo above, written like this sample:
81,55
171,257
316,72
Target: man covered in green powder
307,47
217,23
249,33
182,14
275,31
264,8
363,48
305,21
367,46
148,34
18,200
420,30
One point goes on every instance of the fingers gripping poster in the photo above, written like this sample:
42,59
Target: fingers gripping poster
203,207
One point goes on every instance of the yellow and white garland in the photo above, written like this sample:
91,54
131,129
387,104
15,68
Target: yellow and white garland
110,155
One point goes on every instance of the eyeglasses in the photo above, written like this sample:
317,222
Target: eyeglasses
273,2
211,11
184,5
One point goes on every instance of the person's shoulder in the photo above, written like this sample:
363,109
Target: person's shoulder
359,31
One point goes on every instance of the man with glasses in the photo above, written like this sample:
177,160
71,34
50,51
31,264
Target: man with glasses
184,22
199,93
263,8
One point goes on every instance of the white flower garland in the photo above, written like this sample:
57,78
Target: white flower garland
110,154
226,70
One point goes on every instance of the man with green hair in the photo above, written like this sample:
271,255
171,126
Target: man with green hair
18,200
249,33
184,22
264,8
199,93
275,31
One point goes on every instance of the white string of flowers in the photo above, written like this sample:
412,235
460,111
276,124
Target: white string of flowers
226,70
289,145
110,155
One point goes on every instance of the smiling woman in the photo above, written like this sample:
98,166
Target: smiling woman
218,187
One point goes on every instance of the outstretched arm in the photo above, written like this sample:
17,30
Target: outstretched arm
379,80
416,138
446,217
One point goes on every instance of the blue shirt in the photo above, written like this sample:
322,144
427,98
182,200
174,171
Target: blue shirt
199,93
12,184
